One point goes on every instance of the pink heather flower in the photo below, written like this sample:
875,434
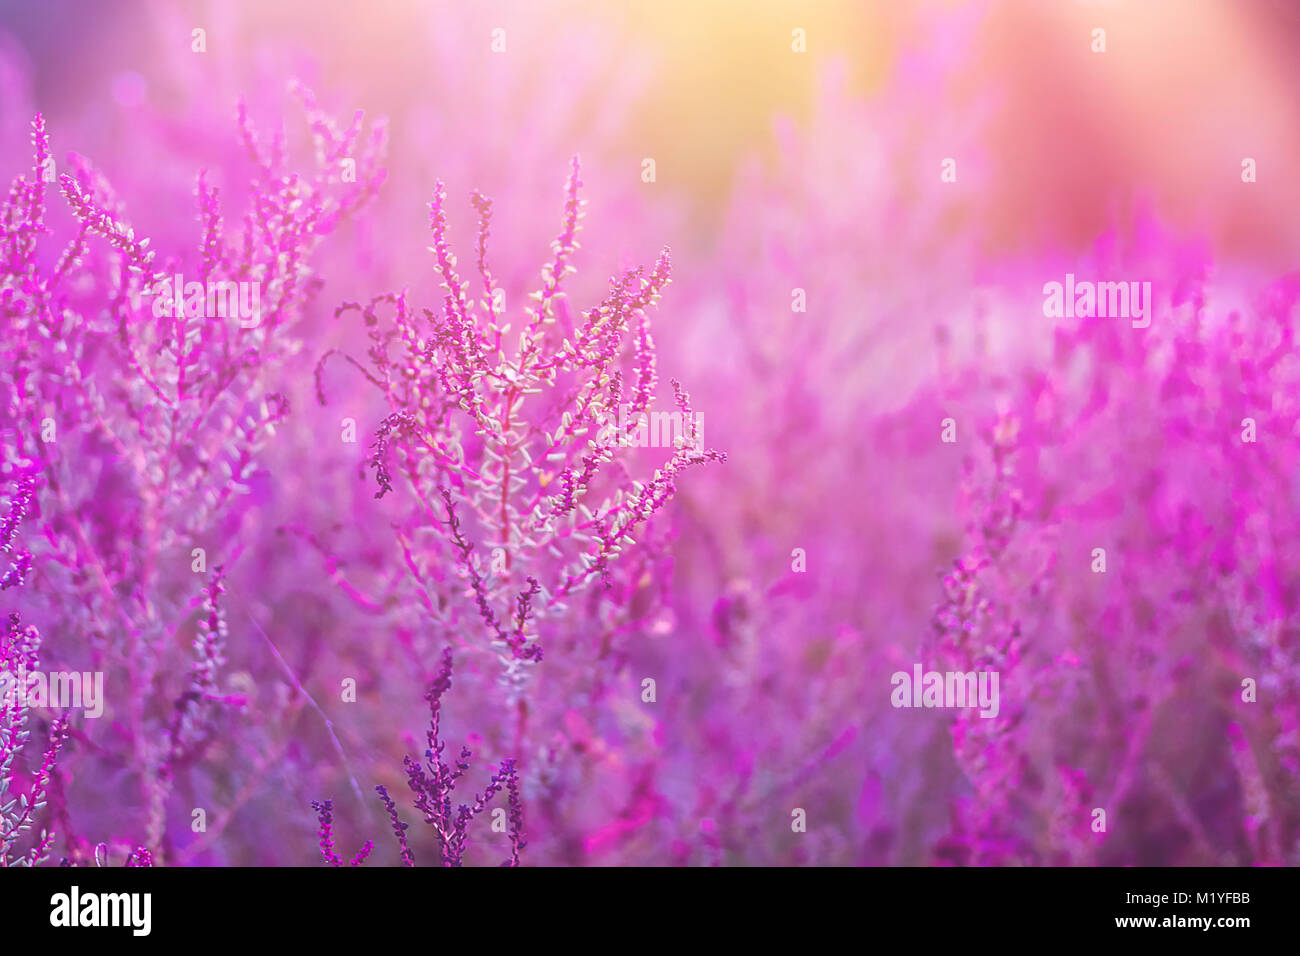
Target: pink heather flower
511,446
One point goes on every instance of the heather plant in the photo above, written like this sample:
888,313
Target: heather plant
521,450
19,656
973,632
519,502
153,368
434,782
